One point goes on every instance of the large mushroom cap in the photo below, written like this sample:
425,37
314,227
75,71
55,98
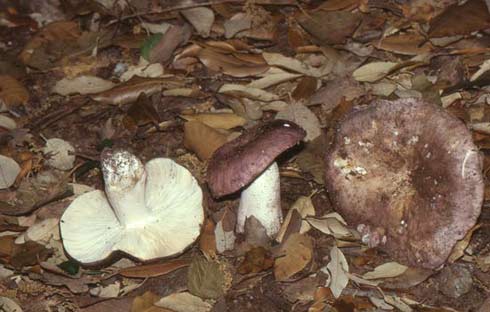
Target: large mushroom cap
410,171
169,217
237,163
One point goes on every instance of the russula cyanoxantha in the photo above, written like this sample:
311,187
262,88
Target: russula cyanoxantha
248,164
147,211
408,175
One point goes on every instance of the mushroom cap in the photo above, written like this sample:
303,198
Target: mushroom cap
91,231
409,170
238,162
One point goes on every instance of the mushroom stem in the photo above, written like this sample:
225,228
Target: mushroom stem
262,199
125,179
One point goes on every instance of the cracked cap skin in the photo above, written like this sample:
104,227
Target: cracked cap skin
238,162
410,168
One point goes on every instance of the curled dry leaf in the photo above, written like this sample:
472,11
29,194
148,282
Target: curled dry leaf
202,139
129,91
184,302
82,85
7,122
154,270
237,23
207,240
406,44
229,64
304,117
9,305
298,250
208,279
304,206
175,36
201,18
12,92
253,93
60,154
338,268
272,77
276,59
373,71
217,120
9,169
386,270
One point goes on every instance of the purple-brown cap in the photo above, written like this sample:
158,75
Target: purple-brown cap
410,171
238,162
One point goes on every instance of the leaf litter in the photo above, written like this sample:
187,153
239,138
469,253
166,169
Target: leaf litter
179,80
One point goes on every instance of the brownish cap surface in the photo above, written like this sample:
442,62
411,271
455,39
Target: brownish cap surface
411,169
238,162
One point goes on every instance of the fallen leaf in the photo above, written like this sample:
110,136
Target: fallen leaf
253,93
143,70
460,19
224,231
237,23
7,122
276,59
9,305
229,64
272,77
305,89
201,18
311,158
175,36
12,93
144,303
332,224
256,260
129,91
41,232
82,85
304,117
207,279
304,206
217,120
207,240
373,71
406,44
330,27
460,247
386,270
9,169
59,153
184,302
338,267
201,139
154,270
298,250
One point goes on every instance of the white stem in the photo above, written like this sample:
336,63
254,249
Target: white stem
125,182
262,199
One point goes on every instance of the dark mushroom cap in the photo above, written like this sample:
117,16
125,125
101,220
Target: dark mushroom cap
238,162
409,168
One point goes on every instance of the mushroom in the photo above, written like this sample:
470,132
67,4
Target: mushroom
147,211
408,175
247,163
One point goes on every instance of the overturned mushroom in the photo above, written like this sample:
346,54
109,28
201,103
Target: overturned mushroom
147,211
248,163
408,175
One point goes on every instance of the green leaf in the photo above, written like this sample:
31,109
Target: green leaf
149,44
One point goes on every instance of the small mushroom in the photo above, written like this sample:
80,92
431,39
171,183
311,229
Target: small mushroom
148,211
248,164
409,176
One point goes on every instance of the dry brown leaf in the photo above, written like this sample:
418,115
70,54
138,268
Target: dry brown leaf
373,71
461,20
245,91
305,89
386,270
12,92
184,302
229,64
57,32
217,120
201,18
207,240
82,85
330,27
9,170
256,260
304,206
298,250
336,5
407,44
460,247
277,59
237,23
201,139
144,303
304,117
171,39
338,268
224,231
153,270
129,91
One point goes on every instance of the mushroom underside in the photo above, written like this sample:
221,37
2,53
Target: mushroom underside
91,230
411,172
